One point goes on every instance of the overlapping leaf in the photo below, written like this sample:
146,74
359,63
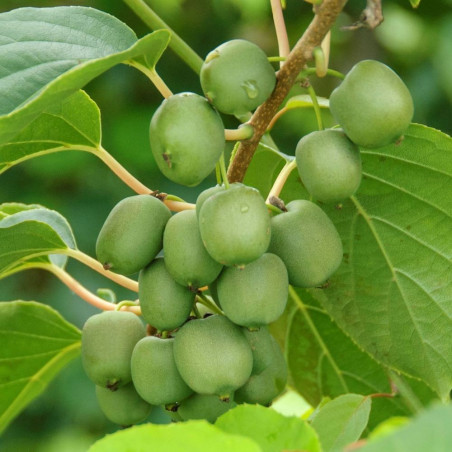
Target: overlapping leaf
429,431
48,54
72,124
341,421
36,343
32,233
271,430
192,436
393,292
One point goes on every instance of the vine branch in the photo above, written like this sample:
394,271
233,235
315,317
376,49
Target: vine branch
326,14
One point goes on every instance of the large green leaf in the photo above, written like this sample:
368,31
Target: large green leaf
271,430
72,124
48,54
32,233
341,421
324,362
36,343
393,292
429,431
192,436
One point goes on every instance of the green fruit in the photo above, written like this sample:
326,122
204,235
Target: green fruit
108,340
202,406
186,258
237,77
213,355
255,295
235,225
372,105
269,375
307,242
204,195
124,406
165,304
154,372
187,138
329,165
132,234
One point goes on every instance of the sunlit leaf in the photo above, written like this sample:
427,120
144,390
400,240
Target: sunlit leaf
271,430
192,436
342,421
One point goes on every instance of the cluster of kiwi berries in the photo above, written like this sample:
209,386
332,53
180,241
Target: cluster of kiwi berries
231,252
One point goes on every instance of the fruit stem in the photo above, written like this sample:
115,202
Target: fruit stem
332,72
132,182
152,75
82,291
196,311
125,303
244,132
177,44
315,104
122,173
280,29
98,267
224,174
281,180
208,303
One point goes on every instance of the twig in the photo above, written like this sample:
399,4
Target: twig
325,16
371,17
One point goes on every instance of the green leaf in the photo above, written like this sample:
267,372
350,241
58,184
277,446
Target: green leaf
192,436
72,124
342,421
415,3
33,233
271,430
430,431
392,293
48,54
36,344
324,362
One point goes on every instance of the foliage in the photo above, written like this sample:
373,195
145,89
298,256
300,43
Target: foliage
370,344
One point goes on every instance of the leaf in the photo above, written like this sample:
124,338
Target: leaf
48,54
34,232
392,293
36,344
72,124
324,362
429,431
342,421
271,430
415,3
192,436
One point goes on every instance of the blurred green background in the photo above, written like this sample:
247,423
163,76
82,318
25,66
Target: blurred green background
417,44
